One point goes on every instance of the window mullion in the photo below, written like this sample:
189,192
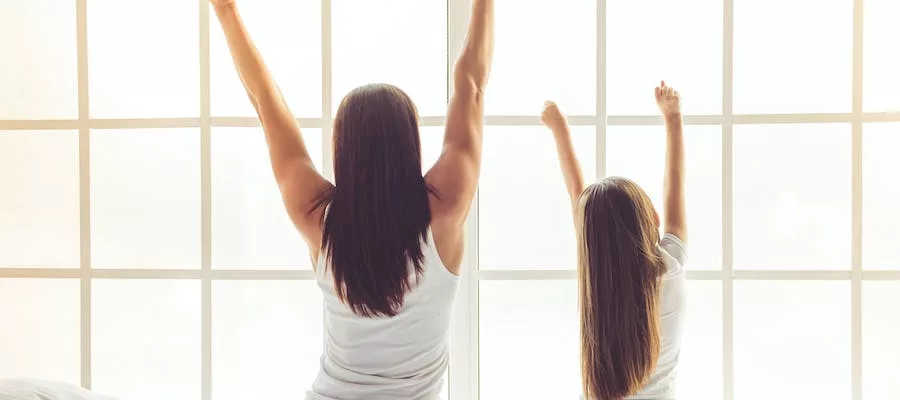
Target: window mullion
206,357
856,332
727,200
84,189
464,375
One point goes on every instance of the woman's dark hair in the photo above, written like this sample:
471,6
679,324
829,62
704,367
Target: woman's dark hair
378,214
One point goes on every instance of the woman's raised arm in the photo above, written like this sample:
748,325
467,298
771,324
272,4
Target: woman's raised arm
300,183
455,175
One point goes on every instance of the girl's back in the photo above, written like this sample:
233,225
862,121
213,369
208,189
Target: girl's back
631,283
661,384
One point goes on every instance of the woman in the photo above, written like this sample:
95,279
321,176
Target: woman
630,280
386,241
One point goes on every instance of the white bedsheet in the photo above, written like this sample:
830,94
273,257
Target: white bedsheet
35,389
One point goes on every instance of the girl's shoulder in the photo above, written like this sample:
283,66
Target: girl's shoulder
676,250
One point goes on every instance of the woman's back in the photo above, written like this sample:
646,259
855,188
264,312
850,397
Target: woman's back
401,357
388,295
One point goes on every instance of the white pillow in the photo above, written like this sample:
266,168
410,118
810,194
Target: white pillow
35,389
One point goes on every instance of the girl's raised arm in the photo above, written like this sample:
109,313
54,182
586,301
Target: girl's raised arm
669,102
554,119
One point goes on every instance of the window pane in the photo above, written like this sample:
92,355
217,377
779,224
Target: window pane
794,337
146,339
785,61
881,83
540,317
544,53
700,363
639,152
288,35
38,74
145,193
881,351
39,204
144,58
401,42
881,196
267,338
520,178
43,329
432,138
637,60
250,225
790,213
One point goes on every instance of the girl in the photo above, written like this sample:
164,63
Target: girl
630,280
386,241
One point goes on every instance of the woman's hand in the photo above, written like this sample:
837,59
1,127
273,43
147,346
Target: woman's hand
221,3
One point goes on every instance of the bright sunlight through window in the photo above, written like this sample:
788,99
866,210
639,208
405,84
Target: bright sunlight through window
145,251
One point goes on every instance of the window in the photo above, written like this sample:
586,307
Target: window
141,225
810,348
250,227
46,342
880,83
138,70
276,25
527,182
145,198
146,330
44,81
650,40
365,49
802,220
258,323
40,206
537,58
782,65
881,195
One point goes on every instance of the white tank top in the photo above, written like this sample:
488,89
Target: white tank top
402,357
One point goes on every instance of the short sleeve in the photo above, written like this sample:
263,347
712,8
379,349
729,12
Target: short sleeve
672,245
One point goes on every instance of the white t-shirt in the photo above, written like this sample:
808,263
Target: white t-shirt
661,385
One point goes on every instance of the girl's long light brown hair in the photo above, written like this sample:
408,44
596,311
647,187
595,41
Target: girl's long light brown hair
619,269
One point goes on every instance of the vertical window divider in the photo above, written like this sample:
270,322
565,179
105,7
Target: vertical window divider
84,188
464,332
327,94
856,333
728,200
206,204
601,110
326,121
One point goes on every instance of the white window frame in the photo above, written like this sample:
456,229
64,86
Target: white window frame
464,376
